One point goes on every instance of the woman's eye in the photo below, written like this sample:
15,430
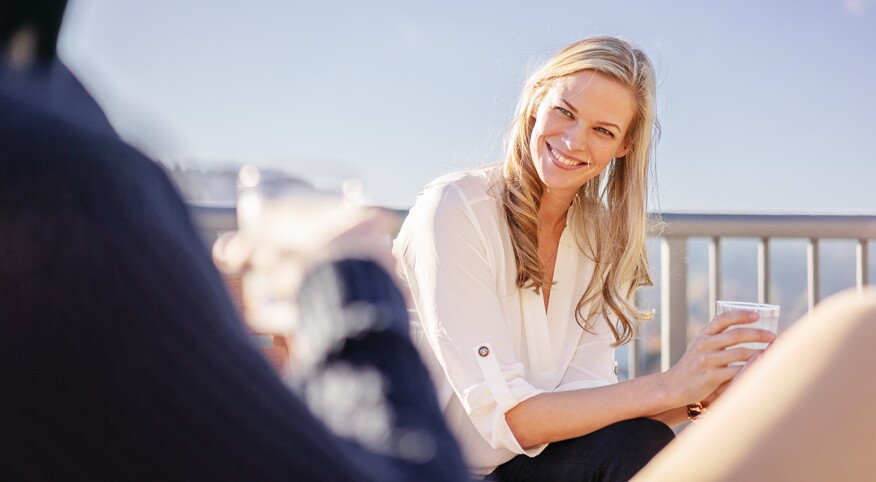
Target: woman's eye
564,112
605,131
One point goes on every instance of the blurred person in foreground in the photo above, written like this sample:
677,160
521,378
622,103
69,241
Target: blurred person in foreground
524,275
121,355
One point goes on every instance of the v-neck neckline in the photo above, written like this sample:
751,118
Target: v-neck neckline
547,327
560,262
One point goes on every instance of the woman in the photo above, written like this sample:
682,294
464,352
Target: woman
522,276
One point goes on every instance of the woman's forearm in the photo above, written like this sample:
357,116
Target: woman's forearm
555,416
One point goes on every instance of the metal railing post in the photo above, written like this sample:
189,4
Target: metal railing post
862,264
673,300
714,275
812,273
763,270
632,359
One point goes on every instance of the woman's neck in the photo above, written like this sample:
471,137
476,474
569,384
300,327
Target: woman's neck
552,210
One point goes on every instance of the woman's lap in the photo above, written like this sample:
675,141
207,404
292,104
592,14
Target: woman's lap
615,452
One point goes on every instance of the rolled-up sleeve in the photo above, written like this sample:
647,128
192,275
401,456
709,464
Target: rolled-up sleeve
501,389
451,271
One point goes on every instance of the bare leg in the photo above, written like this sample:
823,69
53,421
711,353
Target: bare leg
803,412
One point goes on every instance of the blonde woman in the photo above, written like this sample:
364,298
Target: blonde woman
522,276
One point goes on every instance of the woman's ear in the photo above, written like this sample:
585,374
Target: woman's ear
622,151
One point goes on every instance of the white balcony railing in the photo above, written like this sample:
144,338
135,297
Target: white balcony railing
680,228
678,231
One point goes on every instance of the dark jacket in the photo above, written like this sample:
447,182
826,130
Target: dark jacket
121,355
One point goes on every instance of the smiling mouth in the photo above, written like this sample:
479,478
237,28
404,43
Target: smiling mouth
563,159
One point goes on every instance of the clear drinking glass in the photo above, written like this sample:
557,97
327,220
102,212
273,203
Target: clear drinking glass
769,320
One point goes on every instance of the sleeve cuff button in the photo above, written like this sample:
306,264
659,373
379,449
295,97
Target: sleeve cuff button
483,351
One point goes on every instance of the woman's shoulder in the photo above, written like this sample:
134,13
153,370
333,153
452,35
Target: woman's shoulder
473,185
454,197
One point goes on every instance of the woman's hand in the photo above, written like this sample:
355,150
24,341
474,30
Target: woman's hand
704,371
708,401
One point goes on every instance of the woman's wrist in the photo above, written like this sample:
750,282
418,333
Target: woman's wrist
663,394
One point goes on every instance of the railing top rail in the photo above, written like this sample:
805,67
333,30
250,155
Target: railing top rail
223,218
769,225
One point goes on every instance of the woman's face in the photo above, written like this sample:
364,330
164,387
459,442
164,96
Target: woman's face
580,125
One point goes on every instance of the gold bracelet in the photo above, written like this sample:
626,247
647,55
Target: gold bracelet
695,410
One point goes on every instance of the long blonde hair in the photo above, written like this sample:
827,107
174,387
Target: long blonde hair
610,207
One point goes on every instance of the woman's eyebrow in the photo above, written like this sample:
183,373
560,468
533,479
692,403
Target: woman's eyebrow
570,106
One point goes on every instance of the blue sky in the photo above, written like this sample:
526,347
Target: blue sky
765,106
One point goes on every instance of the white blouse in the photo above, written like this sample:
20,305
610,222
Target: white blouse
489,344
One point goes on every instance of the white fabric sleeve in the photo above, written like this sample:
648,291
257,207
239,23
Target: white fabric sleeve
449,268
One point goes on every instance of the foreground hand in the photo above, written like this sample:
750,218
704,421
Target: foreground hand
272,270
363,233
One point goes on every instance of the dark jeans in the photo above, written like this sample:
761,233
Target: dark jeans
613,453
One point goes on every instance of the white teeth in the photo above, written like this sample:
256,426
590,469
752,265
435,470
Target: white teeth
563,159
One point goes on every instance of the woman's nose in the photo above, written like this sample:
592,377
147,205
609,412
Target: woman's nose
575,139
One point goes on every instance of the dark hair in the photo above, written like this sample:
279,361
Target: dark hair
42,16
